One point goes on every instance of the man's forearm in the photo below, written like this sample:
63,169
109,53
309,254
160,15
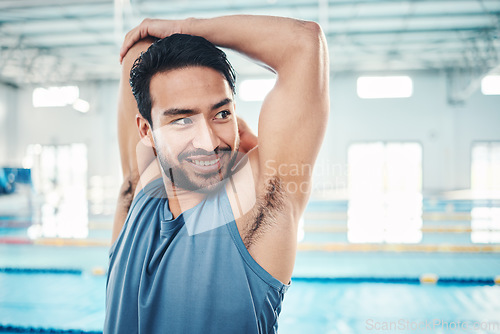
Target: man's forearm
275,41
282,44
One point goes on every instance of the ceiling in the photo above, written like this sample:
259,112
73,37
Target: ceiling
55,41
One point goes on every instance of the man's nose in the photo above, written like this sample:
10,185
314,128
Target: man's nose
205,137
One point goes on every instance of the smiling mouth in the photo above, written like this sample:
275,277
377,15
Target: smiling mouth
205,162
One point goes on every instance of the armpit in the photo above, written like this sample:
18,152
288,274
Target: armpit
264,214
127,190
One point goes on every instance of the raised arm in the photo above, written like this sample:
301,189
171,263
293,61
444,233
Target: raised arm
292,121
128,138
294,114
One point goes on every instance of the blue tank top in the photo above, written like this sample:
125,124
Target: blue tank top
191,274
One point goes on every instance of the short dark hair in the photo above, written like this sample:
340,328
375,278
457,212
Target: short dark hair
173,52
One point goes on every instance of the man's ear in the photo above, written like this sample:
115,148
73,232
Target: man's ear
145,132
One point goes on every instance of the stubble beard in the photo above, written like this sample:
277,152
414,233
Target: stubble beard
182,176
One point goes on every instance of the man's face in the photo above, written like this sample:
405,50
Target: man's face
195,130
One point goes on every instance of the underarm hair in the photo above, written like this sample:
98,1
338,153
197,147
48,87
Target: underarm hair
127,193
264,213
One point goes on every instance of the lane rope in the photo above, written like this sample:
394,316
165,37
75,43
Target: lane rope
10,270
400,280
21,329
425,278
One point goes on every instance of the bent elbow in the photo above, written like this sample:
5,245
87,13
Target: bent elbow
316,56
311,45
313,28
314,36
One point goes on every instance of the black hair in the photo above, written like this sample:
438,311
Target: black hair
173,52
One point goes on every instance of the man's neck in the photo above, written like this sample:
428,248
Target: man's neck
180,200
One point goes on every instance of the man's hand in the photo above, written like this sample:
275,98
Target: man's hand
248,140
149,27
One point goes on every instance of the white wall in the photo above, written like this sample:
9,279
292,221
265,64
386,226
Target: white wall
64,125
8,125
445,132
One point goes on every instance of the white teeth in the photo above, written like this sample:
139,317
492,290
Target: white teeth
205,163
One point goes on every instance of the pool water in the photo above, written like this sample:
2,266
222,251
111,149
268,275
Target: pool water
77,301
52,285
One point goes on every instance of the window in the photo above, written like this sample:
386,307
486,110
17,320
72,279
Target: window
485,166
485,224
55,96
384,87
385,200
59,97
485,182
490,85
59,175
255,89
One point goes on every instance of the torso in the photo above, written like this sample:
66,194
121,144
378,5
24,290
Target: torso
267,225
269,233
198,259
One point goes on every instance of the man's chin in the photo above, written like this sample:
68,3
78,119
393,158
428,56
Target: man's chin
206,183
196,182
210,188
187,178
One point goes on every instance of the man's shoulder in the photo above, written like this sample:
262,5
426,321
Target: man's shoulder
150,174
150,195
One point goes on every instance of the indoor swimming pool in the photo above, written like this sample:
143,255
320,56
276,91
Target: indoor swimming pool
382,115
58,285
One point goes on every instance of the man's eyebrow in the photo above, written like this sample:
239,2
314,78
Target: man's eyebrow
221,103
179,111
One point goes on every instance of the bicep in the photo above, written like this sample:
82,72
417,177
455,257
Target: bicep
291,126
293,118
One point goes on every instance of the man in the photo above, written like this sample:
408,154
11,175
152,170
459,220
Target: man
209,241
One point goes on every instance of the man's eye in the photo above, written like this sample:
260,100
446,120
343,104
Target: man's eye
223,114
183,121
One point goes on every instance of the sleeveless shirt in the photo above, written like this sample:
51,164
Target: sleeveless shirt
191,274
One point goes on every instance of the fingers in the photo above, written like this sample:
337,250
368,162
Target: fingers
148,27
242,126
130,39
135,35
248,140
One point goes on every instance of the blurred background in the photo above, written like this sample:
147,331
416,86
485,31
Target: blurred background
402,233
